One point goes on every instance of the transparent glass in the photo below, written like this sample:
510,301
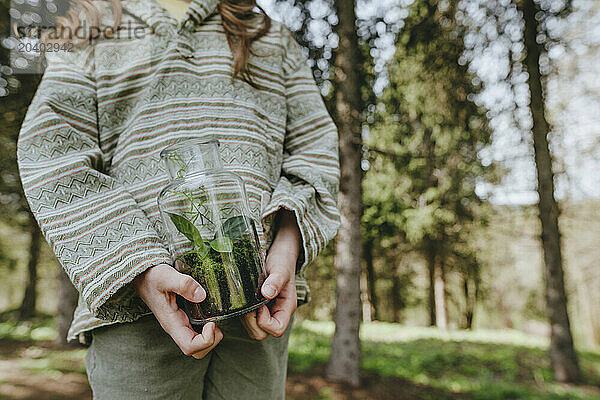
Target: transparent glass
212,236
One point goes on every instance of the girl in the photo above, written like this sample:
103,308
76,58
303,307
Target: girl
88,154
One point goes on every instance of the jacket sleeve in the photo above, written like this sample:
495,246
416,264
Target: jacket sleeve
310,172
94,226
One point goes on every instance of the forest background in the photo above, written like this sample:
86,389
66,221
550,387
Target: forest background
466,129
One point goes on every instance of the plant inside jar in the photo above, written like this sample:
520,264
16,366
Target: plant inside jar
228,266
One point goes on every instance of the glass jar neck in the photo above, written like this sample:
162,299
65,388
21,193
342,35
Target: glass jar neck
191,156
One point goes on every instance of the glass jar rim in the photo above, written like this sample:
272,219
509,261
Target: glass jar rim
184,143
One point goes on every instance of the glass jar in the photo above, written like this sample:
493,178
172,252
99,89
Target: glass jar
212,236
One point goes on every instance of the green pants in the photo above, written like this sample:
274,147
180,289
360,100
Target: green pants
140,361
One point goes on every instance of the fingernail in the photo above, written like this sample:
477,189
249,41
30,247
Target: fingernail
199,294
269,291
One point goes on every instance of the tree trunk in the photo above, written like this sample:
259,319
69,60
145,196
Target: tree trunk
471,294
67,301
431,289
396,300
27,309
371,279
441,320
562,352
504,311
344,363
430,243
468,309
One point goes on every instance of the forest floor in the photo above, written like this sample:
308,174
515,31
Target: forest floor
398,363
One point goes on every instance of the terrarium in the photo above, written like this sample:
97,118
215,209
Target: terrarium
212,236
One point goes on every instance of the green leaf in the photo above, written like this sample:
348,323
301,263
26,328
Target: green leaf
188,229
202,251
235,227
222,244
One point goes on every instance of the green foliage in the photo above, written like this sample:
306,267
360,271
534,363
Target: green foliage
188,229
196,202
235,227
222,244
176,159
424,164
433,130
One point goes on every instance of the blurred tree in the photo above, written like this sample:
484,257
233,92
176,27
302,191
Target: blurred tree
524,32
16,92
402,283
431,131
344,362
314,24
562,352
371,279
67,301
27,308
340,58
383,192
471,280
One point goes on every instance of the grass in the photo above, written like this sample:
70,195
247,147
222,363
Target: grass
39,328
398,362
31,342
474,365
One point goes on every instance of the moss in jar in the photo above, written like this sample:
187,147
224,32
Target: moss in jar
224,274
228,266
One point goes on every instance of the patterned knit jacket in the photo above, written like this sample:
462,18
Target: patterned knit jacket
89,146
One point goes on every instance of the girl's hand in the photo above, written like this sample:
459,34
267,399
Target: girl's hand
280,283
158,287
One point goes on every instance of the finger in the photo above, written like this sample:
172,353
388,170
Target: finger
273,284
183,285
177,325
266,321
251,325
209,330
275,321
